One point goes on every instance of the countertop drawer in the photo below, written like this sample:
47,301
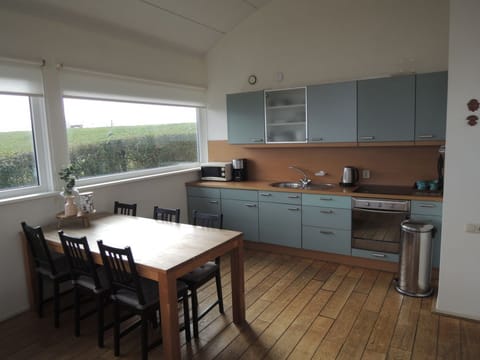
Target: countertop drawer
327,217
280,197
331,201
375,255
427,208
203,192
327,240
247,195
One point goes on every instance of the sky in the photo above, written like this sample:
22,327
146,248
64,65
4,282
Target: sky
15,113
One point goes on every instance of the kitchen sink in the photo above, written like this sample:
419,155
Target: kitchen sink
298,185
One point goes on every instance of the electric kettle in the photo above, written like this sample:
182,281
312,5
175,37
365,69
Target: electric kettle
350,176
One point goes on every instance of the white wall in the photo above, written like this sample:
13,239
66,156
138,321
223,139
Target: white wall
27,37
459,285
318,41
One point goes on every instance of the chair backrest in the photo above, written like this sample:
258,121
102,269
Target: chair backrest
38,247
207,219
125,209
121,270
79,257
165,214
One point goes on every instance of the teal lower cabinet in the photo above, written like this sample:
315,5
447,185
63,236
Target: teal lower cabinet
376,255
326,223
203,200
240,212
430,212
280,218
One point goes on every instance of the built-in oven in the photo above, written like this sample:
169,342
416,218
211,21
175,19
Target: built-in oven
376,224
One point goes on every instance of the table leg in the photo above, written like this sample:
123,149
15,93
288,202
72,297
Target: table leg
238,284
169,315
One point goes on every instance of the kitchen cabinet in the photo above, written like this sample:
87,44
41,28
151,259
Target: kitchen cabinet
332,112
280,218
240,212
246,118
386,109
326,223
285,115
203,200
431,106
430,212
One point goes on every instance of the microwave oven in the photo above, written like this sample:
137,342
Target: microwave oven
216,171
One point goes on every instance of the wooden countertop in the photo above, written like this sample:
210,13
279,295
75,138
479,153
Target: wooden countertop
337,190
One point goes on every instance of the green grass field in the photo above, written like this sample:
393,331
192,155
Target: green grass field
21,141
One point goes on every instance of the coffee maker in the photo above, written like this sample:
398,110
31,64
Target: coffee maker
239,169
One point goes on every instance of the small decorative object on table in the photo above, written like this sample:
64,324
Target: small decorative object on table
67,174
79,216
86,202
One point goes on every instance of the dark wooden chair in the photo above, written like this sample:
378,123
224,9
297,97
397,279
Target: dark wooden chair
86,277
125,209
166,214
49,265
139,294
206,272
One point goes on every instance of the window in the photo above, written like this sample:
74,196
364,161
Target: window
114,137
23,150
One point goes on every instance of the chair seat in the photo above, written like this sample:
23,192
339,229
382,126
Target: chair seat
150,293
88,282
201,274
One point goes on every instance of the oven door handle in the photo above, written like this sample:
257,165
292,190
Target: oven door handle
394,212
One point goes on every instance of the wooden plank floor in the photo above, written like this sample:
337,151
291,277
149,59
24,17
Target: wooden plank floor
296,309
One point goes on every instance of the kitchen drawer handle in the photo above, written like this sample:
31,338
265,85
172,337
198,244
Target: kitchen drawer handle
326,199
326,211
213,202
379,255
251,205
427,205
265,194
256,140
326,232
367,137
293,196
316,139
425,136
294,209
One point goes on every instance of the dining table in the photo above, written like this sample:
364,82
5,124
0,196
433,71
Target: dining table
163,251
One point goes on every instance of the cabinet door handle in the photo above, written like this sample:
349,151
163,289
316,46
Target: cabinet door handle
379,255
326,199
293,196
367,137
294,209
326,211
265,194
326,232
427,206
251,205
316,139
213,202
426,136
256,140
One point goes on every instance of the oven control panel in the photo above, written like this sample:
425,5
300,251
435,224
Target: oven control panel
381,204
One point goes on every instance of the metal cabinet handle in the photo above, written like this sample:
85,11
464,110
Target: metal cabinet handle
251,205
265,194
379,255
426,136
256,140
293,196
294,209
213,202
326,199
326,211
367,137
427,206
316,139
326,232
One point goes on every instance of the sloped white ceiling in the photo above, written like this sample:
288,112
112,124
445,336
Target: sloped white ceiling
195,25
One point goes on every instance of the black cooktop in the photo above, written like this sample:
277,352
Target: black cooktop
394,190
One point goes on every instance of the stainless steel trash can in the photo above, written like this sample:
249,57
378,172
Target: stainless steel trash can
415,264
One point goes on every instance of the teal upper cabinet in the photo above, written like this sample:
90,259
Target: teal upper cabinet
386,109
246,118
332,112
431,106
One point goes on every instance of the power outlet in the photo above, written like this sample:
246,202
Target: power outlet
365,174
472,228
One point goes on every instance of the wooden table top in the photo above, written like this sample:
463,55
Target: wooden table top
156,244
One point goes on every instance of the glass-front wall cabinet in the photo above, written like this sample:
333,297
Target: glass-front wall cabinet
285,115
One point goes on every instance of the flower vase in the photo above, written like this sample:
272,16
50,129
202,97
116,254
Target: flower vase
70,206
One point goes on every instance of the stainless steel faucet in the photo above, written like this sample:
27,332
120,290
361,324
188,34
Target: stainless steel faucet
304,180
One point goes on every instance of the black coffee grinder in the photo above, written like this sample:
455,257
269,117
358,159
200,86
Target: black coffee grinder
239,169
